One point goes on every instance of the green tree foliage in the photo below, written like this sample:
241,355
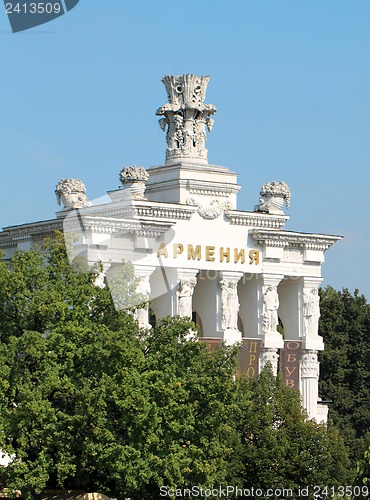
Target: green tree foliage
39,290
363,468
99,410
282,448
345,364
88,402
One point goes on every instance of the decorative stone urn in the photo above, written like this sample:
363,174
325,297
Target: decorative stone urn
273,195
134,180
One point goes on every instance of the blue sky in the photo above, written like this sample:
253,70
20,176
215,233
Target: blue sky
290,79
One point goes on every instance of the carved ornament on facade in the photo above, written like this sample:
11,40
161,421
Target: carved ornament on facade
284,239
72,194
142,313
311,312
134,178
185,117
133,174
230,304
269,355
146,209
293,255
270,308
99,280
185,292
211,188
112,226
309,365
273,195
256,220
37,229
212,211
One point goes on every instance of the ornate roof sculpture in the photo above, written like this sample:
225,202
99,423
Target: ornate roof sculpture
72,193
185,117
273,195
134,178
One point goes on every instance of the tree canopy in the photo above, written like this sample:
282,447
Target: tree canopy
345,364
88,401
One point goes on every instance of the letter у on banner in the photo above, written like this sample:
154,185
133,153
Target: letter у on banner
290,363
249,358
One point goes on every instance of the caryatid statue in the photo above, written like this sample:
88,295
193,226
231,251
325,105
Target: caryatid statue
185,292
311,311
142,313
270,309
230,304
186,117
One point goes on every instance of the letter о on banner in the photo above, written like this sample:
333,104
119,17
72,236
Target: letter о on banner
27,14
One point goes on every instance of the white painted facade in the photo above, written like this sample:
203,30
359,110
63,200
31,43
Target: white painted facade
238,273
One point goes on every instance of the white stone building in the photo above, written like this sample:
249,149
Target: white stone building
239,274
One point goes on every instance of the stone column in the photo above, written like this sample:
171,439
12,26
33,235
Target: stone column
309,382
268,320
310,308
185,290
230,306
143,273
311,344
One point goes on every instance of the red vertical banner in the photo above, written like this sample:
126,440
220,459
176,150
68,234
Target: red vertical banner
212,344
290,363
249,358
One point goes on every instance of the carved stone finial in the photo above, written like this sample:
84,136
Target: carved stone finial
186,117
72,193
134,178
133,174
273,195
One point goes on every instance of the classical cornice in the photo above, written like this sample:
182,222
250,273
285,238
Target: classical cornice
143,210
37,230
111,225
253,219
291,239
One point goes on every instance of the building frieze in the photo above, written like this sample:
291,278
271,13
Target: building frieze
27,231
166,211
253,219
105,225
211,188
282,239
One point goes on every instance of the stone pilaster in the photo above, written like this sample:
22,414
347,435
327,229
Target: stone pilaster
143,274
310,314
268,320
187,280
309,382
269,355
229,301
